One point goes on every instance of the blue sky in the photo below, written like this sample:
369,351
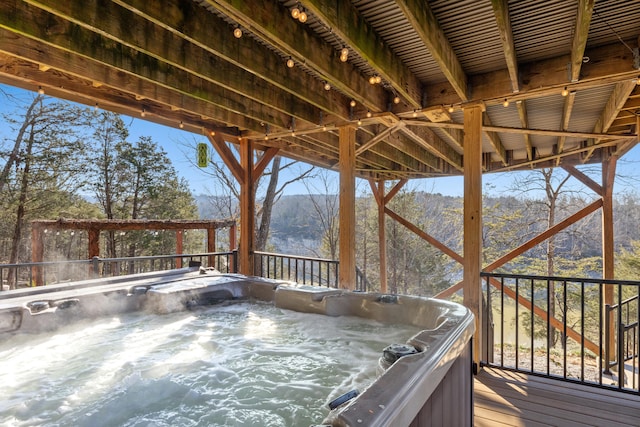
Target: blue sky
177,144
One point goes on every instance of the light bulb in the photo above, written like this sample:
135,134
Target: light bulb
266,137
353,103
344,58
327,86
359,122
372,80
295,13
396,100
293,133
237,33
303,16
344,51
143,113
565,91
181,125
212,133
368,113
290,63
95,107
324,128
505,104
415,113
451,108
378,79
40,90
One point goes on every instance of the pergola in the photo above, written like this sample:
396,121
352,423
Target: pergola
377,89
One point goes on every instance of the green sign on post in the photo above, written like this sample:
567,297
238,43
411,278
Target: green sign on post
202,155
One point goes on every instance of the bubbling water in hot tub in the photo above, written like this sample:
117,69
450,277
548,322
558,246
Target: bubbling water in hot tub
227,365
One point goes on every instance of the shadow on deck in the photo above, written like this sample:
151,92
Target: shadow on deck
505,398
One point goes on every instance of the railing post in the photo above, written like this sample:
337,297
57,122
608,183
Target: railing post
607,332
95,266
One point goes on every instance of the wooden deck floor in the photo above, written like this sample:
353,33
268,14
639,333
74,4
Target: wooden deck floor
504,398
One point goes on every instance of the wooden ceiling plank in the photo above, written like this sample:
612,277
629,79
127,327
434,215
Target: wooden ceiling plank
345,21
425,24
580,35
90,44
501,12
274,23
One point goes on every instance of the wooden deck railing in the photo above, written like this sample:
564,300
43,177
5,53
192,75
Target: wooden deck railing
560,327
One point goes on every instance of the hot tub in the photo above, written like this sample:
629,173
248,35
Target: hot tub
424,381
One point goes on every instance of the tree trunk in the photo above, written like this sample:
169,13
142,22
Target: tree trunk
267,206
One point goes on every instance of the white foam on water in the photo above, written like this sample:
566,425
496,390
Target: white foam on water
237,365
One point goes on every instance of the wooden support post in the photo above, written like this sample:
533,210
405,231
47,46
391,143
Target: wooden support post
94,247
37,255
472,264
179,247
211,246
247,208
608,271
382,239
347,216
232,247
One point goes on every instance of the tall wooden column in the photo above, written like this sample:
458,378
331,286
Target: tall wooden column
347,217
472,263
382,238
179,247
608,271
247,208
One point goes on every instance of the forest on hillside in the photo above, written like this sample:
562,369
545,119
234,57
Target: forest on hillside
63,160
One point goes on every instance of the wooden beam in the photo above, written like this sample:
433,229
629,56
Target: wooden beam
247,209
427,139
378,193
580,35
425,24
345,21
501,12
227,156
424,236
347,214
37,24
153,39
379,137
213,34
267,156
494,138
587,210
614,105
577,174
472,209
567,108
524,122
395,190
273,22
608,251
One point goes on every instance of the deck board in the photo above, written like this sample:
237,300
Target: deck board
504,398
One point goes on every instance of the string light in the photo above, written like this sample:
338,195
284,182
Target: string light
303,16
368,113
372,80
212,133
143,113
378,79
565,91
40,90
295,12
344,54
95,107
415,113
505,104
451,108
327,86
353,103
237,32
266,137
359,122
290,63
181,125
396,100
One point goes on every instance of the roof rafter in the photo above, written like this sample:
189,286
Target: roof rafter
346,23
273,22
425,24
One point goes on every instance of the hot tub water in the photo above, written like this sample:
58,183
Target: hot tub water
227,365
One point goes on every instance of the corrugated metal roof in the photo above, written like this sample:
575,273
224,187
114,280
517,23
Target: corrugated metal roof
612,20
